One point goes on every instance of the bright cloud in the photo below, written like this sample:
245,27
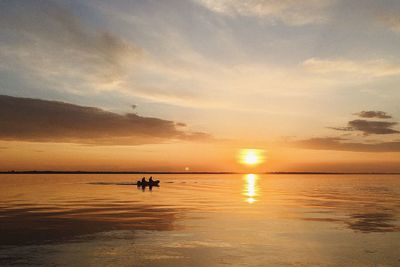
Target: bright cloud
287,11
368,68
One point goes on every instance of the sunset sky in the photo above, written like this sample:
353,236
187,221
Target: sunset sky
174,85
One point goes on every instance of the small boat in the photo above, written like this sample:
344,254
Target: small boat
147,183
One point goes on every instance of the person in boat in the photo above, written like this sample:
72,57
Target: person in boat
153,182
144,180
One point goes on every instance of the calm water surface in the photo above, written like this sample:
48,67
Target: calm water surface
200,220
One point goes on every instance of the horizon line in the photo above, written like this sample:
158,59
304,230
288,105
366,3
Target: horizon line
192,172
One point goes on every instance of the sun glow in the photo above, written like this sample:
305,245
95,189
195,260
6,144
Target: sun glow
251,157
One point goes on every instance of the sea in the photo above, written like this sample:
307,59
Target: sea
200,220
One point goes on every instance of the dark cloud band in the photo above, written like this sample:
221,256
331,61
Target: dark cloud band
373,127
373,114
368,127
341,144
27,119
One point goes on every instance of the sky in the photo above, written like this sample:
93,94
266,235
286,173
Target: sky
174,85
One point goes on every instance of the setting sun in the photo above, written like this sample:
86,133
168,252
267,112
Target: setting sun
251,156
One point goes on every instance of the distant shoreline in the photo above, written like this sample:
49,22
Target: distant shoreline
185,172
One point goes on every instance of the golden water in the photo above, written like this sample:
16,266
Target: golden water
200,220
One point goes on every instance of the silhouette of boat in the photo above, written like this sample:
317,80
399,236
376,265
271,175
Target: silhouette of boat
147,183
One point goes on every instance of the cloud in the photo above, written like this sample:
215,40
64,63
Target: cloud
373,127
392,21
48,40
369,127
373,114
48,47
286,11
26,119
370,68
341,144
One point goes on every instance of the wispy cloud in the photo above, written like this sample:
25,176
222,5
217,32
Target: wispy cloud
26,119
286,11
391,21
48,46
366,127
369,68
373,114
48,40
341,144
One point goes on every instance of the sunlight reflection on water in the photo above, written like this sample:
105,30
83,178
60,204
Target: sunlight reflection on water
250,188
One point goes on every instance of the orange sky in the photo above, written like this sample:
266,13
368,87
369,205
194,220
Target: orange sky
176,157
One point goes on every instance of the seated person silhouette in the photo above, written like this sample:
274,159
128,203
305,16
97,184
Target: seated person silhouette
142,182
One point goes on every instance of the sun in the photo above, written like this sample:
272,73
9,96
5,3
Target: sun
251,157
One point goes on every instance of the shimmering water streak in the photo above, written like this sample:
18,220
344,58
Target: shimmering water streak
250,188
